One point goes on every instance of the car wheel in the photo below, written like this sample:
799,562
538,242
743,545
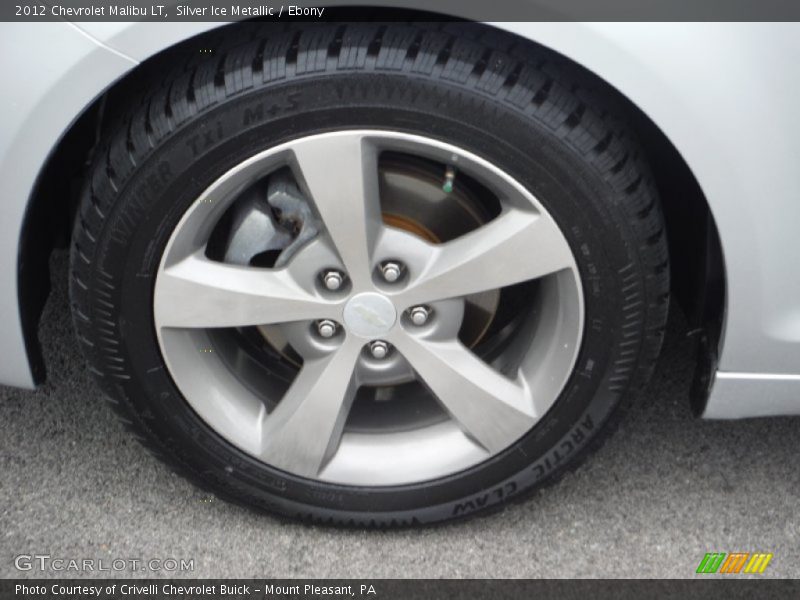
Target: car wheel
372,274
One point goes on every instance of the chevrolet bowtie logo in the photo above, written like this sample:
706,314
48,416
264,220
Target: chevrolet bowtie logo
370,316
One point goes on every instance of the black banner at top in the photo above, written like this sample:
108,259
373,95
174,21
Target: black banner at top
354,10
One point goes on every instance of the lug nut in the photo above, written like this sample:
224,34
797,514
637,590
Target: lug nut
333,280
391,271
419,315
326,328
379,349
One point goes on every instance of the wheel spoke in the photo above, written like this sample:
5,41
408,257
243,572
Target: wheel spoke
305,428
340,175
201,293
515,247
491,408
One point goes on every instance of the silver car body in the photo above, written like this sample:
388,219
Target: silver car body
725,94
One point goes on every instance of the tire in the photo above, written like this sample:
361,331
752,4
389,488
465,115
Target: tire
514,105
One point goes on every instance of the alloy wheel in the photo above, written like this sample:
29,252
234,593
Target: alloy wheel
366,304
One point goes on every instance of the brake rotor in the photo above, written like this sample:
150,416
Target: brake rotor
413,199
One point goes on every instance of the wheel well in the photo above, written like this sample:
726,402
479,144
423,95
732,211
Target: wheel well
697,269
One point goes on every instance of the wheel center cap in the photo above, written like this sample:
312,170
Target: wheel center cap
369,314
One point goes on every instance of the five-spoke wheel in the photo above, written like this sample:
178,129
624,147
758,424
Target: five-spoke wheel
361,293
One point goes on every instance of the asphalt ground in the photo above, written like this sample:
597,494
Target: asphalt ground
661,493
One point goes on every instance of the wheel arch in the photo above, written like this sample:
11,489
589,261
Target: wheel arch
698,272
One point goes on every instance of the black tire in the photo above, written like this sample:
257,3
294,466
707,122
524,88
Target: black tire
514,103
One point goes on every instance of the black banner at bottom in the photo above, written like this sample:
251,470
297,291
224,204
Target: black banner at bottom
401,589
